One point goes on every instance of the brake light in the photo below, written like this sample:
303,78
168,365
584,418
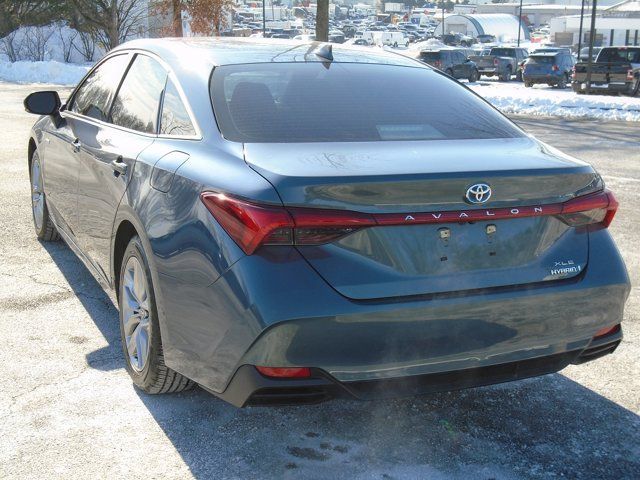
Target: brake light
285,372
252,225
573,73
598,208
555,68
437,64
629,75
495,62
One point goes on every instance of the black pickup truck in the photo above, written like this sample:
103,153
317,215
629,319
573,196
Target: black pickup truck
615,70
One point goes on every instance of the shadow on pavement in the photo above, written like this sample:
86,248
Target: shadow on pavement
544,427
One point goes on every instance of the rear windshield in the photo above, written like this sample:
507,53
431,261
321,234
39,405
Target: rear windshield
429,56
542,60
503,52
620,55
347,102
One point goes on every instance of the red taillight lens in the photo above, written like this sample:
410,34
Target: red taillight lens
285,372
598,208
629,75
437,64
573,73
555,68
495,62
252,225
248,224
603,332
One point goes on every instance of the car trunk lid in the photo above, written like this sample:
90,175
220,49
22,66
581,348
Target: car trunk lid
400,180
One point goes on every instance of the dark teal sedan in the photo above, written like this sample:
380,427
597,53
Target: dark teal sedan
286,222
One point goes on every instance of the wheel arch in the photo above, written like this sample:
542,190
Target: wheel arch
123,235
30,150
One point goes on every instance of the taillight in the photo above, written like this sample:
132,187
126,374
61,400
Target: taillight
495,62
285,372
555,68
437,64
252,225
573,73
629,75
598,208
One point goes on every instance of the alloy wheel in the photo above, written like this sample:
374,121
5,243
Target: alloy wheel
37,194
135,313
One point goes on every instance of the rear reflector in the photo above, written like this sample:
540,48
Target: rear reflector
603,332
285,372
252,225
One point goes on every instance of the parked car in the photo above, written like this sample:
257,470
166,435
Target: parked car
615,70
451,61
503,62
486,38
349,238
551,68
458,39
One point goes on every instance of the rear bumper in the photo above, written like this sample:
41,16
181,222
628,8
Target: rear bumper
273,309
619,87
249,387
542,78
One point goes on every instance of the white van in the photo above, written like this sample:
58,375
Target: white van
394,39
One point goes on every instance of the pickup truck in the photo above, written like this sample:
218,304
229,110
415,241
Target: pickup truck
615,70
502,62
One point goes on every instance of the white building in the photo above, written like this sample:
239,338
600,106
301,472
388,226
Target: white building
503,26
615,25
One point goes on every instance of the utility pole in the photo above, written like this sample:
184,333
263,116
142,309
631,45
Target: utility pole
322,21
592,39
264,19
519,21
580,32
442,21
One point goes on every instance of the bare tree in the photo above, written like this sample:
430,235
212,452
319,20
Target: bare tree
35,43
207,16
112,21
87,47
66,41
11,46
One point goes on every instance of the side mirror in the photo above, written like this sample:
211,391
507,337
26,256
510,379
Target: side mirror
43,103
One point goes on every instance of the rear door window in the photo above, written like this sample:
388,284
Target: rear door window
138,100
94,96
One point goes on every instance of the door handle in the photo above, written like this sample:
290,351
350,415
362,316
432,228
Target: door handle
119,167
76,145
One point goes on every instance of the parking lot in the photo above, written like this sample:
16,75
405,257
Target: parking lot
69,410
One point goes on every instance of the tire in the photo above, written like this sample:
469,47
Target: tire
449,72
45,229
506,76
474,76
136,302
562,83
395,44
528,84
519,75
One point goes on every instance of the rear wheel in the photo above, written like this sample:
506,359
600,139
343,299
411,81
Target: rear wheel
45,229
395,44
506,76
473,76
139,327
528,84
562,83
449,72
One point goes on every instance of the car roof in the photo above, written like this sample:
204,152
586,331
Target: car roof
207,52
545,54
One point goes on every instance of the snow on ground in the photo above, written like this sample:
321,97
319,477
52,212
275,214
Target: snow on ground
49,71
514,98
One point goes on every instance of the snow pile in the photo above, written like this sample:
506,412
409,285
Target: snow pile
514,98
49,71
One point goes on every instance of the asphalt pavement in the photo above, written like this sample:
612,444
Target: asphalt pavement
69,410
